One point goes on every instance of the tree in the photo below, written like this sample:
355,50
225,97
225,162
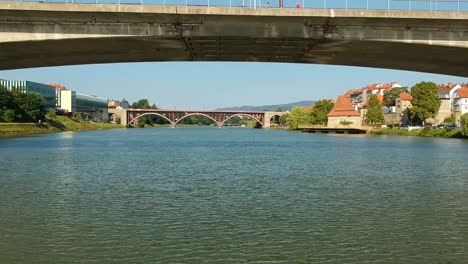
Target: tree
299,116
374,113
320,112
464,124
141,104
283,119
278,109
21,107
392,94
34,106
426,100
51,114
8,115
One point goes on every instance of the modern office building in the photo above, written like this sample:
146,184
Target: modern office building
47,91
92,106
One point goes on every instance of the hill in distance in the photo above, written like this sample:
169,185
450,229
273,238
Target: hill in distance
284,107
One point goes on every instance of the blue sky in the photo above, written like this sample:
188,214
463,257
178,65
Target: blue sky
206,85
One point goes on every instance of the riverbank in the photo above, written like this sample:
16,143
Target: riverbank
426,132
58,124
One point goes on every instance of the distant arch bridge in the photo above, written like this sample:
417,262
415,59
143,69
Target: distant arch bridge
174,117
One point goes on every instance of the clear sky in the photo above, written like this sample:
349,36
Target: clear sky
203,85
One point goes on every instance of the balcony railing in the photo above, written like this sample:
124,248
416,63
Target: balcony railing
409,5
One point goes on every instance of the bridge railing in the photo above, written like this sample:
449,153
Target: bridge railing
410,5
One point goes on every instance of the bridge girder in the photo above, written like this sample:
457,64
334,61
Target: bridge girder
39,34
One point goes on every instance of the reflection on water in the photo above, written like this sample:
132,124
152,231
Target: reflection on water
208,195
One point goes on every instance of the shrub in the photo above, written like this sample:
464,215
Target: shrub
464,124
51,114
450,119
345,123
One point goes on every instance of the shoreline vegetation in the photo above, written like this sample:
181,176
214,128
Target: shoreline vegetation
57,124
425,132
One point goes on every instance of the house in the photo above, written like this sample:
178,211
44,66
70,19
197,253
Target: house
446,93
343,112
402,106
460,103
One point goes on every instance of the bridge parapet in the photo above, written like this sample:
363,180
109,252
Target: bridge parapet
46,34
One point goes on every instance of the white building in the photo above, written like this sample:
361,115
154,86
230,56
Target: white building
460,103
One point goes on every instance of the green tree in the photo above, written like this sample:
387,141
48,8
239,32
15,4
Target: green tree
283,119
21,107
141,104
392,94
299,116
278,109
320,112
426,100
8,115
51,114
374,114
464,124
5,99
34,106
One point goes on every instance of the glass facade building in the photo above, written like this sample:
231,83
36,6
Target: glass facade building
47,91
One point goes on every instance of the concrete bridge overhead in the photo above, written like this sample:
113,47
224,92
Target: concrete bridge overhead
54,34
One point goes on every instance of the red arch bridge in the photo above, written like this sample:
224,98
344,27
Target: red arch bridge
174,117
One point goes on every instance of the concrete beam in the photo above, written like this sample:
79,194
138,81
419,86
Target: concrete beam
40,34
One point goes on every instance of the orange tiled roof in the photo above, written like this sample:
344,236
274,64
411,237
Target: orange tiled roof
343,107
463,92
446,87
379,97
406,96
372,87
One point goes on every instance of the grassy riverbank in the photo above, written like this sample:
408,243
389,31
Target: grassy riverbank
58,124
426,132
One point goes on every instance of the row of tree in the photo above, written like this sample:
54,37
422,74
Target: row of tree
315,116
16,106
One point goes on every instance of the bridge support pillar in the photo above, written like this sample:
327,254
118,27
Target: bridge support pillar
269,115
122,113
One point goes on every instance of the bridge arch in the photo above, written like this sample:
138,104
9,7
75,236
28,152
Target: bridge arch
241,115
197,114
145,114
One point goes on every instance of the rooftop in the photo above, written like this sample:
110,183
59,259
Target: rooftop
343,107
463,92
406,96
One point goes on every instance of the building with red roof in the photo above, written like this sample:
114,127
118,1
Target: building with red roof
343,110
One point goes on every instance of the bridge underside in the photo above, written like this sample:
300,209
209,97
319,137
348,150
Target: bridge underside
380,54
55,34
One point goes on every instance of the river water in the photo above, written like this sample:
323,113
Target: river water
232,195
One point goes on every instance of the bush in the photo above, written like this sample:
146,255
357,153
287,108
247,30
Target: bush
77,117
464,124
345,123
51,114
450,119
8,115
